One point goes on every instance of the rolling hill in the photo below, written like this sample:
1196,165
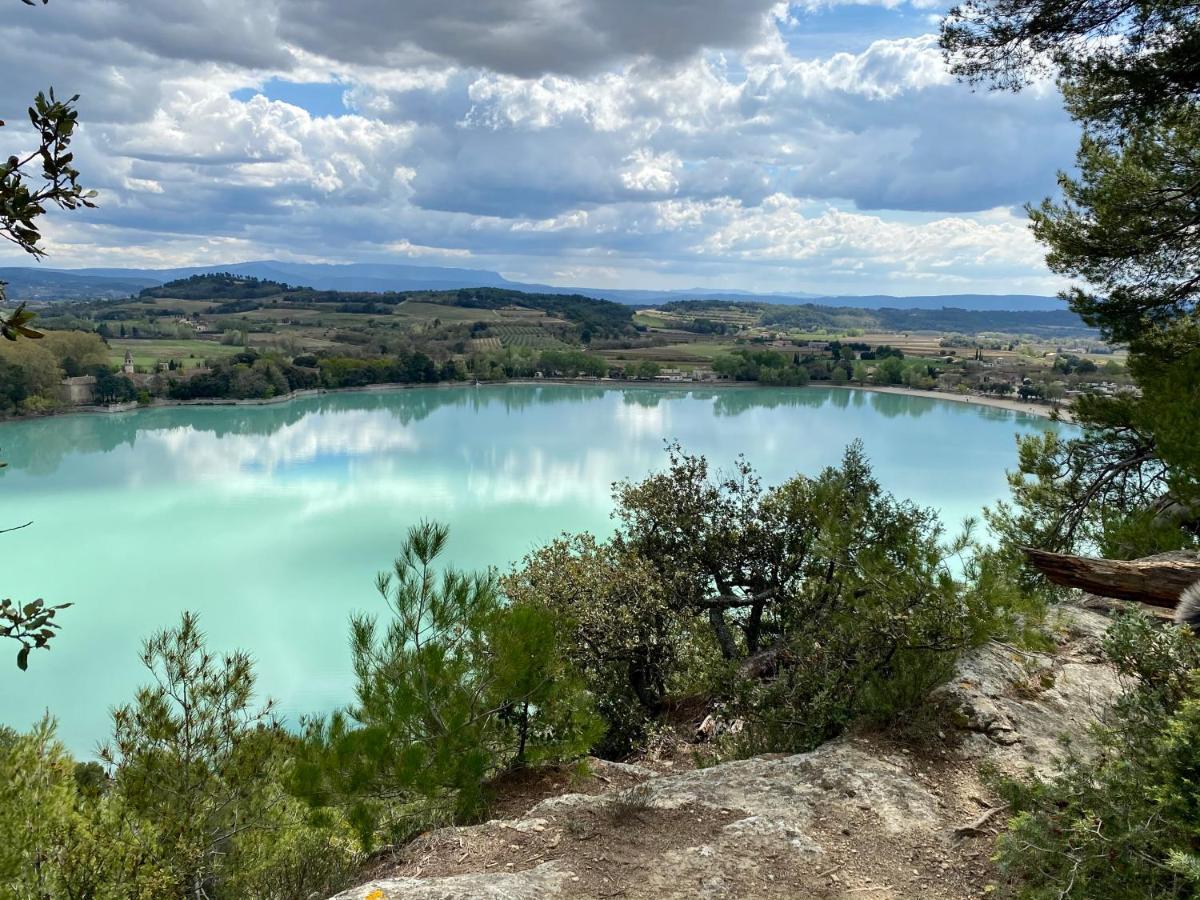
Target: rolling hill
28,283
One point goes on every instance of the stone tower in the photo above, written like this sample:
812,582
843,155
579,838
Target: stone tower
127,368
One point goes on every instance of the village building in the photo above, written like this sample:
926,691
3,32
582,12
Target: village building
79,390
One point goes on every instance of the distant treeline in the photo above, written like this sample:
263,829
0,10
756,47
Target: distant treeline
810,317
596,318
250,375
237,294
966,321
219,286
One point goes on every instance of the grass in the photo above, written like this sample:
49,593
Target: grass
416,309
183,306
697,351
653,319
273,314
146,353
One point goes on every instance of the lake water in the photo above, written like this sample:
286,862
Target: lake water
272,521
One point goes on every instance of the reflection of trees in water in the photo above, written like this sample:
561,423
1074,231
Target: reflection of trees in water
38,446
892,406
735,402
647,399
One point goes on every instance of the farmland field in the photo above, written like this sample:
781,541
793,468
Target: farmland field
532,336
146,353
416,309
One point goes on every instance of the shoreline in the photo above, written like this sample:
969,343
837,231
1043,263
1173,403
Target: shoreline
1041,411
1024,407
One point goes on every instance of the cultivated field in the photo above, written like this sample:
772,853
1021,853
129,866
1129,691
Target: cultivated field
147,353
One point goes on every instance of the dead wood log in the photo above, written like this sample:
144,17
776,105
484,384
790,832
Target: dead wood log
1154,580
765,663
975,829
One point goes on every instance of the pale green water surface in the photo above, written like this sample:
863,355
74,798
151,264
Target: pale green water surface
272,521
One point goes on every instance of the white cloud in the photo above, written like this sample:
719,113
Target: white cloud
649,142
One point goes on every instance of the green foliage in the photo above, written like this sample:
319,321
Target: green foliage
24,199
113,388
16,323
615,624
1110,489
36,801
802,606
1167,370
1126,226
65,834
813,318
571,363
766,366
598,318
194,806
31,625
300,853
24,202
31,373
195,760
249,375
219,286
1124,64
643,370
453,689
1123,821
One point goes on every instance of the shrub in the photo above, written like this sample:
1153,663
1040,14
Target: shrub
613,618
195,806
455,688
196,763
1124,820
800,607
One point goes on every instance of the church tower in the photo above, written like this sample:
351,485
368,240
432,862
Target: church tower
127,368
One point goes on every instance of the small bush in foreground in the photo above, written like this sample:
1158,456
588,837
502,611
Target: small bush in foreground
1123,821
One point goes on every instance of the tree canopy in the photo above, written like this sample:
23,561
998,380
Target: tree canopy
1122,62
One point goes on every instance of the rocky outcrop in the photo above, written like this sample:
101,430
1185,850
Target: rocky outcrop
858,817
1014,707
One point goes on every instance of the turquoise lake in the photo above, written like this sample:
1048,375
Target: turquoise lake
272,521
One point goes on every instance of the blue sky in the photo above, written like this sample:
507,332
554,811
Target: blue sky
746,144
318,98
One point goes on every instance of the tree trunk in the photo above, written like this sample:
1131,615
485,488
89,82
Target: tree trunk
1154,580
524,732
716,619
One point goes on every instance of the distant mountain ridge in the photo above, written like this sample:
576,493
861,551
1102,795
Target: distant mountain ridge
55,284
29,283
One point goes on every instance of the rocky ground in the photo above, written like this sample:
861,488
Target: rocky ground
866,816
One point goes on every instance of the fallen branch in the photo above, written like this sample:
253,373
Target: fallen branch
1154,580
975,829
765,663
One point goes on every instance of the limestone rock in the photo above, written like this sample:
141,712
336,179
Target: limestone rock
545,880
861,816
1018,706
